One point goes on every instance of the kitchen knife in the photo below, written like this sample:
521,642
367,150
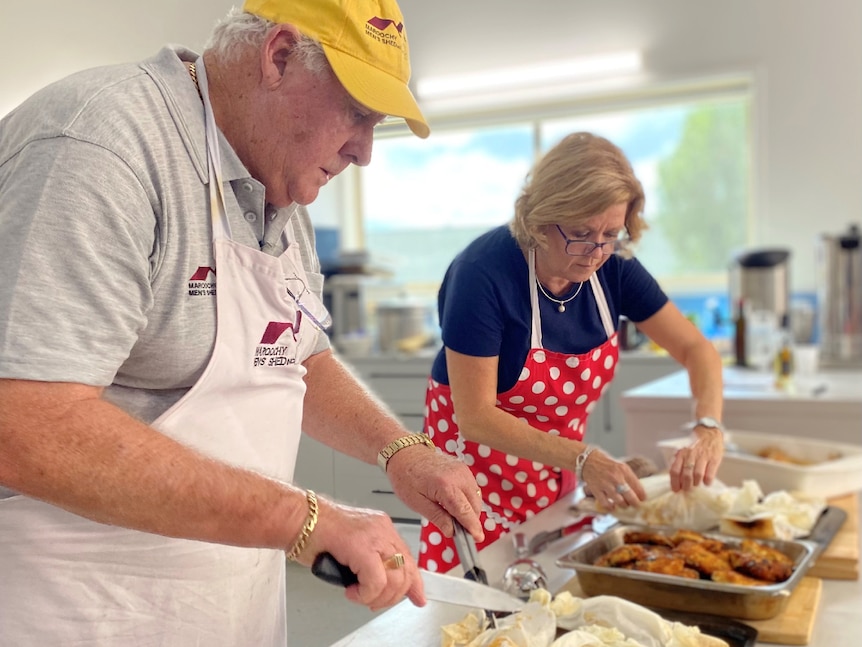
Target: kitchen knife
439,587
541,539
823,532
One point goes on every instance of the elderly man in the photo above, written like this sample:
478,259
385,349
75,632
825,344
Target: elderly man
162,338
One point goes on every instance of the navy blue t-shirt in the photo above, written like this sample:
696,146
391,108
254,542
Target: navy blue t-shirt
484,306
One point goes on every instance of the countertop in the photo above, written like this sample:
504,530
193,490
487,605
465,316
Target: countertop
827,386
826,405
839,623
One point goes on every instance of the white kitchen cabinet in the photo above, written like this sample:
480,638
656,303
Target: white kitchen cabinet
827,405
399,382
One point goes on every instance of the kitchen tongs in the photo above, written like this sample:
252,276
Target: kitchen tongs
465,546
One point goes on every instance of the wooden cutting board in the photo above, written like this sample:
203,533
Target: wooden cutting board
793,626
840,560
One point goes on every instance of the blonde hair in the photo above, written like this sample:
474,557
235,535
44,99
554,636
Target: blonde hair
580,177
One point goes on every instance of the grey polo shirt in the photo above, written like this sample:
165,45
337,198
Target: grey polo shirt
105,238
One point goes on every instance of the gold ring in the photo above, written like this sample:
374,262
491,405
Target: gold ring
479,493
394,562
689,466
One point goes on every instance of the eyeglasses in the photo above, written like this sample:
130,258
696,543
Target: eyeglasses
308,302
575,247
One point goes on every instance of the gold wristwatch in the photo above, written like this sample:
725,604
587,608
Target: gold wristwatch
398,444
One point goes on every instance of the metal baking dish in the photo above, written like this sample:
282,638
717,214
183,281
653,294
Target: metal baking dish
682,594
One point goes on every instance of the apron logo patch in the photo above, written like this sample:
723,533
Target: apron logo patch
270,352
200,283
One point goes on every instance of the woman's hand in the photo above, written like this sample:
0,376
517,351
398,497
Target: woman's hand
612,483
698,462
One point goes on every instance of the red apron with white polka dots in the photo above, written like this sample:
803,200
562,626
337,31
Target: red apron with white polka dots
554,393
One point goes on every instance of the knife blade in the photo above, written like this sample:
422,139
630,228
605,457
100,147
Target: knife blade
438,587
541,539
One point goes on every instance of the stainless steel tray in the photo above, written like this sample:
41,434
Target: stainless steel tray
682,594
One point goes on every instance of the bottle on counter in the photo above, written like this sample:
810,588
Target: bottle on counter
741,333
783,364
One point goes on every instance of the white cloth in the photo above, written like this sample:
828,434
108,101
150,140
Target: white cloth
67,580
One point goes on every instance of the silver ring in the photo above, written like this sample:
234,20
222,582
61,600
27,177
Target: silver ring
622,488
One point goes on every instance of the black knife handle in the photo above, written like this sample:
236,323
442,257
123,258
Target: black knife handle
828,524
329,569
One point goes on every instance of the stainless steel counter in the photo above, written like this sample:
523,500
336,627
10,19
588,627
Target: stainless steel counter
839,623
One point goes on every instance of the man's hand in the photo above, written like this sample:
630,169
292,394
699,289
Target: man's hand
363,540
438,487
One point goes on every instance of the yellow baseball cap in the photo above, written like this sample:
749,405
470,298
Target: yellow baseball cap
365,43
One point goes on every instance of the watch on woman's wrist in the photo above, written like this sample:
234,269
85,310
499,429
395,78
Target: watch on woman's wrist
704,421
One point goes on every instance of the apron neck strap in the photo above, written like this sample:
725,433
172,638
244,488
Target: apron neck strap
595,286
218,210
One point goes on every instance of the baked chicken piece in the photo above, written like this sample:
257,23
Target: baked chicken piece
759,566
624,554
701,559
690,554
682,535
666,565
732,577
647,537
766,551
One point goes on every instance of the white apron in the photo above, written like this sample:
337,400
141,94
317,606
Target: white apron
66,580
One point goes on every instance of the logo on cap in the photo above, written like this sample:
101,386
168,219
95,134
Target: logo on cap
383,23
378,29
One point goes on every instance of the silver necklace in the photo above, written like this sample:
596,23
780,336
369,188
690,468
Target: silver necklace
561,305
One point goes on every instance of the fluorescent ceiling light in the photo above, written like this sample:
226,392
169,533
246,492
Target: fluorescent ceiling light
527,76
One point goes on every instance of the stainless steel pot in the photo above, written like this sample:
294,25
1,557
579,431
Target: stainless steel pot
762,278
402,319
840,298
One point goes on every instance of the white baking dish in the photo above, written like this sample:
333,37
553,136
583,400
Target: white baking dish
826,477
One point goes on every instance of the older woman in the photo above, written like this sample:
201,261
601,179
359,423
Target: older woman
528,313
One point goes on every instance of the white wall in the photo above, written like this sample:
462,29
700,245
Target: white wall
806,58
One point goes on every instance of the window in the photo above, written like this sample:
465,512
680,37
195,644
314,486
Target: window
692,159
424,200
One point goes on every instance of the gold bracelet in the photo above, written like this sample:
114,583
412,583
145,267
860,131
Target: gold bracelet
398,444
310,523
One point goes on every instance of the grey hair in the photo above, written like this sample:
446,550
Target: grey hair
240,29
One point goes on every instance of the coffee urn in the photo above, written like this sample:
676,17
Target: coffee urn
761,278
839,298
